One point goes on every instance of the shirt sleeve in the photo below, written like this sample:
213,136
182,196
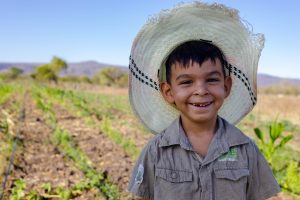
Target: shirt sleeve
142,179
262,183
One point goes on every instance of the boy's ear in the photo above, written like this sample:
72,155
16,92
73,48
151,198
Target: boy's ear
227,85
165,89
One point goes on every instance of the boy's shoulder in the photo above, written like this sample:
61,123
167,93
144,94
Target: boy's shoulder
227,135
232,134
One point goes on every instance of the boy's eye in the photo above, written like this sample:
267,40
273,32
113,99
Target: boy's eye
185,82
213,80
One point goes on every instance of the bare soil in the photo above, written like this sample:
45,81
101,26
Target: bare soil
102,151
38,161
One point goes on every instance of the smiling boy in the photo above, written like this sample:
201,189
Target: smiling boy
196,84
193,71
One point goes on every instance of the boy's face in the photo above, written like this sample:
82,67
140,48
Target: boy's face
198,92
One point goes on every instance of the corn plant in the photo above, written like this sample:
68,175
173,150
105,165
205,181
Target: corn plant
275,142
286,170
292,178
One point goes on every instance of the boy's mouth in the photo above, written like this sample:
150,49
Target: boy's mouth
201,104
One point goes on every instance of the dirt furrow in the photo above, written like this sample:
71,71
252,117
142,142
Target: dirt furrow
38,161
102,151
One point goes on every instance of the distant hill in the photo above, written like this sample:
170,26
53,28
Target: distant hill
264,80
89,68
26,67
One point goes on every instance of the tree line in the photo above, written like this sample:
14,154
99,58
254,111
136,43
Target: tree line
108,76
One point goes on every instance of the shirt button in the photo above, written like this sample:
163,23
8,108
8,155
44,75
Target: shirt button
174,175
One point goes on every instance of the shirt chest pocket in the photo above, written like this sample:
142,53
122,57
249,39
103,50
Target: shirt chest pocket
174,176
172,184
230,183
231,174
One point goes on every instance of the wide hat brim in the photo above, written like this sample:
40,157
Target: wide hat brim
196,21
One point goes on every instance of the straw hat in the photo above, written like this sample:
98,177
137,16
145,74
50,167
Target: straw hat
195,21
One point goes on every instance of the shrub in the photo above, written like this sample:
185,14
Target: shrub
44,72
50,71
111,76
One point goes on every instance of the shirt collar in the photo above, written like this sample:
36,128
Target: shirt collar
227,135
175,135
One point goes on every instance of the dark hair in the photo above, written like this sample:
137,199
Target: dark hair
195,51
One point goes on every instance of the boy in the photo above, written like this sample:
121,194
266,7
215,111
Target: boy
193,69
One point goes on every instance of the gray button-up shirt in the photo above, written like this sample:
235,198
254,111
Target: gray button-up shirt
233,168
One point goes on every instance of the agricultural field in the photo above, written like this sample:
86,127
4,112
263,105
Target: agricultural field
80,141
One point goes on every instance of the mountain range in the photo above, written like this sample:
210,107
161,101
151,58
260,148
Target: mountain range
89,68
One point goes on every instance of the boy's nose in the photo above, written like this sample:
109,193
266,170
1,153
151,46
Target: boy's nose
200,90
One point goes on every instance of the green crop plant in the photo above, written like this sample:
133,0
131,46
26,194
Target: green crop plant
6,139
6,144
85,110
95,179
292,178
62,139
280,157
46,187
4,127
275,141
45,106
5,92
34,196
63,194
128,145
17,192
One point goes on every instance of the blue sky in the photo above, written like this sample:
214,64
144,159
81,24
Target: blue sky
103,31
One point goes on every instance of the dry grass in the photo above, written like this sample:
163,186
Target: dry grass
86,87
286,107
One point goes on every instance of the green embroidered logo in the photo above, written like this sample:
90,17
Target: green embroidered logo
231,155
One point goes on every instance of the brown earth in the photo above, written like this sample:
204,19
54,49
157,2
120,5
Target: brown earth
38,161
102,151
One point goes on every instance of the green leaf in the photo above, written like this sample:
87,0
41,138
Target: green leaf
285,140
47,187
259,134
275,130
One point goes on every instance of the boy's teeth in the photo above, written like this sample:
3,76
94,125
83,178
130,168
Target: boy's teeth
200,105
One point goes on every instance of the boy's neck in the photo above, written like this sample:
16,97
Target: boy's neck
200,135
199,129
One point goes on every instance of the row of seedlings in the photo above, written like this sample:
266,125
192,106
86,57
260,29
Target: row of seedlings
11,114
65,145
107,148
